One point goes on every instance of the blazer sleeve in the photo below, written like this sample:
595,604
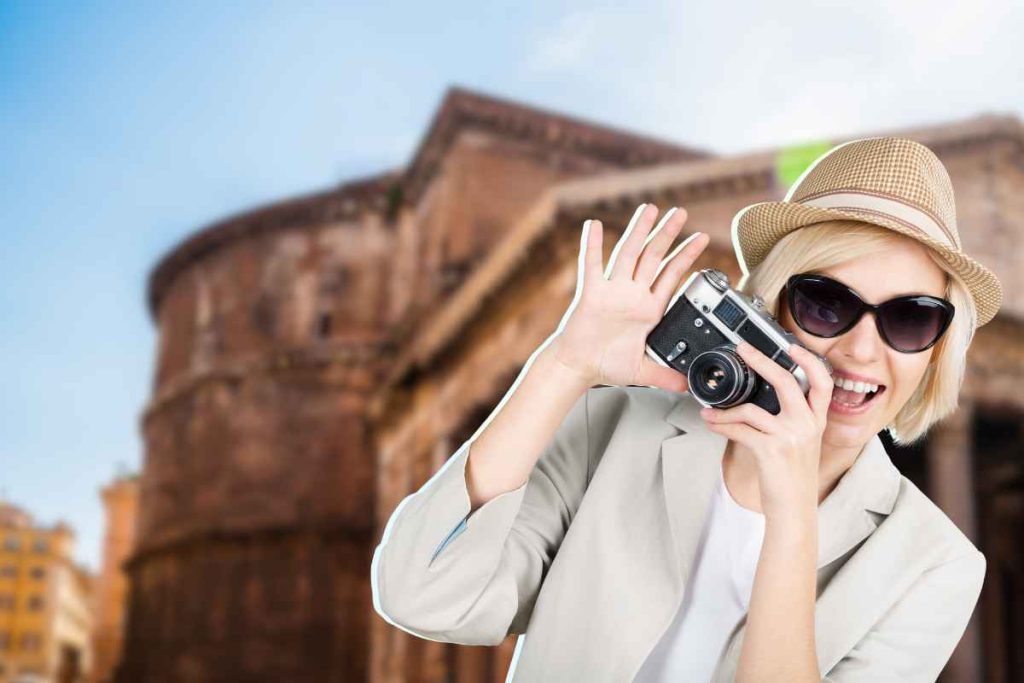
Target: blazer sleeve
441,573
917,636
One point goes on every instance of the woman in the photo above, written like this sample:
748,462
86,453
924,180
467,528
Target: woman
631,535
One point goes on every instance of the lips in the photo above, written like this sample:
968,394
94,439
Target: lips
853,394
850,397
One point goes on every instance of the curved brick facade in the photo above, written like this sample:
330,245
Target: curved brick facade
257,496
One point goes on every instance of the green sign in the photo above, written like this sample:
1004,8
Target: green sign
791,161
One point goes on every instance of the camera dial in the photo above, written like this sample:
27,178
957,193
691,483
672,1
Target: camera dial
717,279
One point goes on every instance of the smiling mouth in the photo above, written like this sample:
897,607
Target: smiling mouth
854,399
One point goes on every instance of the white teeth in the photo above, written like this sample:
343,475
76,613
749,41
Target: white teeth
850,385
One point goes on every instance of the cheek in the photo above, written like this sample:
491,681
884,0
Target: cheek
907,373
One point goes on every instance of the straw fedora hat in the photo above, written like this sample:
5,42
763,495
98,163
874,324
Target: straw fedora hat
891,182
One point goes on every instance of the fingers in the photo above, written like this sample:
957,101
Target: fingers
748,413
738,432
654,375
658,243
676,265
636,255
623,259
592,254
786,387
819,377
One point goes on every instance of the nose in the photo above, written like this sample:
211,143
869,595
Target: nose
862,343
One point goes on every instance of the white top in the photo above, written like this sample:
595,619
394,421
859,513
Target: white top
716,597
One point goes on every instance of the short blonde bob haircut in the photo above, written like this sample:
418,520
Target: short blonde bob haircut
823,245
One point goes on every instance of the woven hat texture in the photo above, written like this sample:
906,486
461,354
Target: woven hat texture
891,182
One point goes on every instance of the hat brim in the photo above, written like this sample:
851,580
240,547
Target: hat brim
756,229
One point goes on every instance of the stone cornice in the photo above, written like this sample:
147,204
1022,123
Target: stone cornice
198,540
463,109
348,201
297,359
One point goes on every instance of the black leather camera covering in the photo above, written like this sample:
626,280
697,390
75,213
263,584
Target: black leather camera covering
679,323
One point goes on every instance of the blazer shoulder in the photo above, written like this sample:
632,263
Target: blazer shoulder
639,412
931,524
606,401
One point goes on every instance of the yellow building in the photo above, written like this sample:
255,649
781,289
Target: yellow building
121,503
45,602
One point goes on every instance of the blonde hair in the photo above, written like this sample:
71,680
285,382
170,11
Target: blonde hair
822,245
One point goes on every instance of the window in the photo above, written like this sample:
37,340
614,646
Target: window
324,325
5,641
8,571
6,602
38,573
36,603
31,642
12,543
41,546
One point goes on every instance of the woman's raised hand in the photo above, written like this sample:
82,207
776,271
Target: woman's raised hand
604,336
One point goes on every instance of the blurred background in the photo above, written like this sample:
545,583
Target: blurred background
268,265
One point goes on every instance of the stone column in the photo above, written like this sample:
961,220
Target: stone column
951,487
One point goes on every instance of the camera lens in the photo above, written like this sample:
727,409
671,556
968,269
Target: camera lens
713,377
720,378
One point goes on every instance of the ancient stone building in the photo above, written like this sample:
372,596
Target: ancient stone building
320,358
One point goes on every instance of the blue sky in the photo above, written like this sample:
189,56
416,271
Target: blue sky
125,127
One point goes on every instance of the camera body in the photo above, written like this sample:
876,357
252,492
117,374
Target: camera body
698,335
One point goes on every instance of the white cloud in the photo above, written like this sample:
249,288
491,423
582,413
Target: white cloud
734,78
570,44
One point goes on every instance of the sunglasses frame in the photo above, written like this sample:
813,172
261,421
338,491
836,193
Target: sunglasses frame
865,307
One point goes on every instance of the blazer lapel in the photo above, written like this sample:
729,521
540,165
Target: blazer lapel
691,462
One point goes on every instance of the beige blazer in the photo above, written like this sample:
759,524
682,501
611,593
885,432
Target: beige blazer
588,559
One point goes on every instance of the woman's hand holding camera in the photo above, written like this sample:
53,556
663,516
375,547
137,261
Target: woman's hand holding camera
605,336
788,445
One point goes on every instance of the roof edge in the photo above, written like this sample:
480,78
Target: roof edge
342,201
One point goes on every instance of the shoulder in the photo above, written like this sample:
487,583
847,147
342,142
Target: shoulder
931,528
626,426
636,403
638,417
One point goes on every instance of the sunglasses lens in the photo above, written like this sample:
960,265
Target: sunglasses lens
912,324
822,308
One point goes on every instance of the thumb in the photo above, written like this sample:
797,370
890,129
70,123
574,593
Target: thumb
653,374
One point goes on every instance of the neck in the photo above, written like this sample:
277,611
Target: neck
739,467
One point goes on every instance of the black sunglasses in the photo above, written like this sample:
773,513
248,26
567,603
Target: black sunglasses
827,308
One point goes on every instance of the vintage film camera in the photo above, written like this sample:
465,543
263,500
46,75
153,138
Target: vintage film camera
698,336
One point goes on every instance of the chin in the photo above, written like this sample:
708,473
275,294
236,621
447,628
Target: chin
857,429
841,430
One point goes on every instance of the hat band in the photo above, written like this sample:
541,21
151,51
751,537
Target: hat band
904,213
